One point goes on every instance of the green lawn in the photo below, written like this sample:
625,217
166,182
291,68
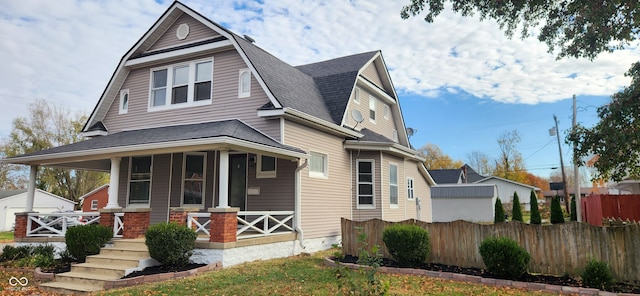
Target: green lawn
6,236
301,275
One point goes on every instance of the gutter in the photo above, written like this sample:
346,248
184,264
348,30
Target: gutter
298,207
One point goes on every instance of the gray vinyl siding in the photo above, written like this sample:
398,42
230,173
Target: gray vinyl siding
371,74
324,201
383,126
225,102
177,179
366,214
393,213
197,31
276,194
123,187
160,187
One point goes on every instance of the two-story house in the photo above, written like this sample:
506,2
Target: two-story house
201,126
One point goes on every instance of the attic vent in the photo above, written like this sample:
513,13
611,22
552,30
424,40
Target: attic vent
246,37
183,31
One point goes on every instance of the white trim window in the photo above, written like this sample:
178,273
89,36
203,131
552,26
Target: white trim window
356,95
372,109
387,111
193,179
244,83
181,85
318,165
124,101
393,185
410,189
94,204
266,166
365,181
140,168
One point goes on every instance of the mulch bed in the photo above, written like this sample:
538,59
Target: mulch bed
620,287
162,269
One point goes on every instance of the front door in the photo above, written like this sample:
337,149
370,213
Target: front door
238,181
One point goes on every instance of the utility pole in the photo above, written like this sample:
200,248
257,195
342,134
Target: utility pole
564,177
576,174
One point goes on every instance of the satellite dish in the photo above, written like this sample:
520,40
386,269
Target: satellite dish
357,116
411,132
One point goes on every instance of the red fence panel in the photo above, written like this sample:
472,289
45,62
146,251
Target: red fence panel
595,207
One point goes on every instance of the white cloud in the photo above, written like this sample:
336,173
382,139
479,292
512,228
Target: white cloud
65,51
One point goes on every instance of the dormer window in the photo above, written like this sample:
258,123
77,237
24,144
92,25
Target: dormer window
244,84
190,84
124,101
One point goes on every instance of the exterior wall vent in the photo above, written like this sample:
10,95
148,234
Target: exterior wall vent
182,32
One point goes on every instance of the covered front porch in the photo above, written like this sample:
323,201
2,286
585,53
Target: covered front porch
227,181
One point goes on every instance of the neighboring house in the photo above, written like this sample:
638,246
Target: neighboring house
197,119
96,199
467,175
469,202
584,192
626,186
14,201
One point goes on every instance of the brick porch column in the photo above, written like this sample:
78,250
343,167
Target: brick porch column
224,225
135,222
20,230
179,215
107,216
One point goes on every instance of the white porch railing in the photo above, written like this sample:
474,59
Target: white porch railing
56,224
118,224
258,223
193,222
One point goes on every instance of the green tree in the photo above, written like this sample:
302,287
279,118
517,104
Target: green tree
535,212
516,210
579,28
499,212
574,214
556,211
616,138
48,126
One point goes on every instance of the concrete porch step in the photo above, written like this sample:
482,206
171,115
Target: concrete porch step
133,244
124,261
114,270
69,288
125,252
82,278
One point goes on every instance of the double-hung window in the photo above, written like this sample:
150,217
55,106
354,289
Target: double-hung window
393,185
410,189
365,184
94,204
140,180
181,85
372,109
193,179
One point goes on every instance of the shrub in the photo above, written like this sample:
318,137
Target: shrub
408,244
516,212
597,275
556,211
574,213
171,244
85,240
499,212
9,252
535,212
504,257
66,257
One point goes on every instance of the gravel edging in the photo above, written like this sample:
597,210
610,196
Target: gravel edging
143,279
484,281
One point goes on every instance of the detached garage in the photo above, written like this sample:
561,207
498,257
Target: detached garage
14,201
468,202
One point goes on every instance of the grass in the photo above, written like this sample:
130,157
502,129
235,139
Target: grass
302,275
6,236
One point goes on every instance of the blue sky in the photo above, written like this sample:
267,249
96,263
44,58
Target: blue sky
461,82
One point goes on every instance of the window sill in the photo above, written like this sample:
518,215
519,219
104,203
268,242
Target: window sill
179,105
318,176
365,207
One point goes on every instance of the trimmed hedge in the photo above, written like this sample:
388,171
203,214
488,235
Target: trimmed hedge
597,275
85,240
408,244
504,257
170,243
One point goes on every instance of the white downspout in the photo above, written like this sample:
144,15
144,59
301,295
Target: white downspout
298,206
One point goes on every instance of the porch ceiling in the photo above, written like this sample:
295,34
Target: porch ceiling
96,152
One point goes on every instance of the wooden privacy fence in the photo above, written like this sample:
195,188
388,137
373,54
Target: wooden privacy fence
555,249
595,207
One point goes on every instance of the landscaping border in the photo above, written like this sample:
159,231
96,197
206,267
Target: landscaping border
143,279
480,280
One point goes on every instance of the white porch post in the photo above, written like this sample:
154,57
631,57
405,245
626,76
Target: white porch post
114,180
31,190
223,177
